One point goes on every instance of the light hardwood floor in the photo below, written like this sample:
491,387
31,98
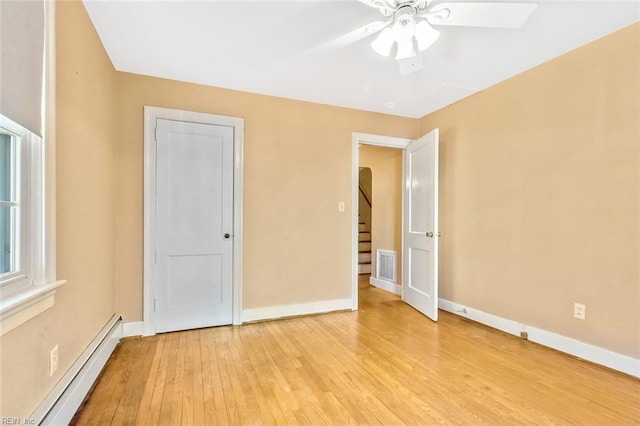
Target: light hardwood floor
384,364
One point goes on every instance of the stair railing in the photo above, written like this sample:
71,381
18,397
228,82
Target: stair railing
365,195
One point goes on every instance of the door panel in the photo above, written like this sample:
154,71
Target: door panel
420,262
185,277
421,225
420,217
194,166
194,211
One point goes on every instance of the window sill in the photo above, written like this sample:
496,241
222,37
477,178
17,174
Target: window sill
21,307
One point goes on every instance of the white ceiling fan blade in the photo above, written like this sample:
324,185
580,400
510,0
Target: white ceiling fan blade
373,3
383,4
349,38
490,15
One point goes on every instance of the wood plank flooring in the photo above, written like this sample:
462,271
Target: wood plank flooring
384,364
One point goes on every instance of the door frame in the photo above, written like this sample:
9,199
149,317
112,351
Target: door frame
151,114
375,140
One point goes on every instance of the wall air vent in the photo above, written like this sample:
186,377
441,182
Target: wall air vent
386,265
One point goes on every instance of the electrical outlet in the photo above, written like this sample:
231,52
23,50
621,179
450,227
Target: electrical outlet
53,360
579,311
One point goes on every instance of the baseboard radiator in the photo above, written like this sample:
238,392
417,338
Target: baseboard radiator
386,265
65,398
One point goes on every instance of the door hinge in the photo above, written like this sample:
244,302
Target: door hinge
155,256
155,304
155,133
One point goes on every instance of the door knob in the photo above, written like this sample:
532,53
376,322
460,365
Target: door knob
227,236
430,234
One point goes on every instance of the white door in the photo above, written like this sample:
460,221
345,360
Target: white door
194,217
421,225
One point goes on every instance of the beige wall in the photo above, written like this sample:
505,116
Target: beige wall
540,195
386,211
297,246
86,88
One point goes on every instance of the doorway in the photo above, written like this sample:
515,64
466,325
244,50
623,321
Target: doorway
368,140
419,254
192,220
382,185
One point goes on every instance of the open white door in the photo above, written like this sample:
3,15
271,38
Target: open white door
421,225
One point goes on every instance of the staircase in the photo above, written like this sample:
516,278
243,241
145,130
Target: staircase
364,222
364,248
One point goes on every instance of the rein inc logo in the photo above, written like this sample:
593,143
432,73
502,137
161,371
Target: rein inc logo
17,421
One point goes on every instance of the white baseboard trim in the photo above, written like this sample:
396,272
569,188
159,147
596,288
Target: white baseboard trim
385,285
586,351
64,400
132,329
273,312
508,326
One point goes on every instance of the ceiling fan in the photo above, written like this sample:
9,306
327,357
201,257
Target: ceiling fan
409,25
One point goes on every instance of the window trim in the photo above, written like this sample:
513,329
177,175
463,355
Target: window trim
22,139
28,292
22,306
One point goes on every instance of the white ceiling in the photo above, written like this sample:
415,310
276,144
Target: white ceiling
263,47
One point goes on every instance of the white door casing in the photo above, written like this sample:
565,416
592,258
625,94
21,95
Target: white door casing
420,227
169,240
194,216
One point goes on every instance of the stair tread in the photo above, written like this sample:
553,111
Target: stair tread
364,251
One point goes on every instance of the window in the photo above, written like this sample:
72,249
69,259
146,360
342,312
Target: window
18,235
12,224
21,210
26,288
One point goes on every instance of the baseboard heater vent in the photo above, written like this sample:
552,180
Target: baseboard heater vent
62,402
386,265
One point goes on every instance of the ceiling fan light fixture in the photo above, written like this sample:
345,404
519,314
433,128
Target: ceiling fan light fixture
383,43
405,50
425,35
404,26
